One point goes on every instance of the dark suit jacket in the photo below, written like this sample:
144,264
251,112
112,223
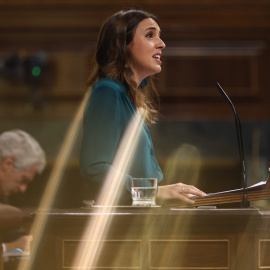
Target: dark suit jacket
10,233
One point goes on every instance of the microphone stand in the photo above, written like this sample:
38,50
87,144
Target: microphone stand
245,203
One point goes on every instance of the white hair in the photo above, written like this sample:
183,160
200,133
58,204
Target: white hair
23,148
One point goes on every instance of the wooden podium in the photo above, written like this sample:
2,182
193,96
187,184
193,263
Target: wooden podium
167,237
159,238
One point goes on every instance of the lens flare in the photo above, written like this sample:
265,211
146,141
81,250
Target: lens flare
89,251
38,226
184,165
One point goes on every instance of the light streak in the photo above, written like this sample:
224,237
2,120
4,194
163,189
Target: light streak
184,165
52,186
88,252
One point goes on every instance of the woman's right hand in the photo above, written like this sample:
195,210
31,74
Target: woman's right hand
178,191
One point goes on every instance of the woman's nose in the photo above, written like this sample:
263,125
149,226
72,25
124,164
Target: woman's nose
161,44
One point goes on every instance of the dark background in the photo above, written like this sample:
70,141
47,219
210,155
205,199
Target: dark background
195,140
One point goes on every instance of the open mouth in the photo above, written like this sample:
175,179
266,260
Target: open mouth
157,56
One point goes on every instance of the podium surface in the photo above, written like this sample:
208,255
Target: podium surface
155,238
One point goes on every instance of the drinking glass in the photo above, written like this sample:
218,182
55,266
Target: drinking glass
143,191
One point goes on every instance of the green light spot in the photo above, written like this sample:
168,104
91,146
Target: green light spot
36,71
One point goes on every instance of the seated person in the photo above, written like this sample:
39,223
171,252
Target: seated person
21,158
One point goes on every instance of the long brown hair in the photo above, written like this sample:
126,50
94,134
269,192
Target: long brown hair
112,59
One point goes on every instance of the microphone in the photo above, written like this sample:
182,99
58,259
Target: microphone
245,202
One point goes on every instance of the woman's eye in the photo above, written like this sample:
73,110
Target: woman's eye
149,35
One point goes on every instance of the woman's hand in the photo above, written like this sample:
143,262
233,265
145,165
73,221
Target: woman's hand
178,191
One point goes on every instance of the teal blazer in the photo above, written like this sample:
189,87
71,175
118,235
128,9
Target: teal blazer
107,115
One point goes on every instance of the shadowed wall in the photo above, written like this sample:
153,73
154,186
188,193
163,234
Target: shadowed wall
207,42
